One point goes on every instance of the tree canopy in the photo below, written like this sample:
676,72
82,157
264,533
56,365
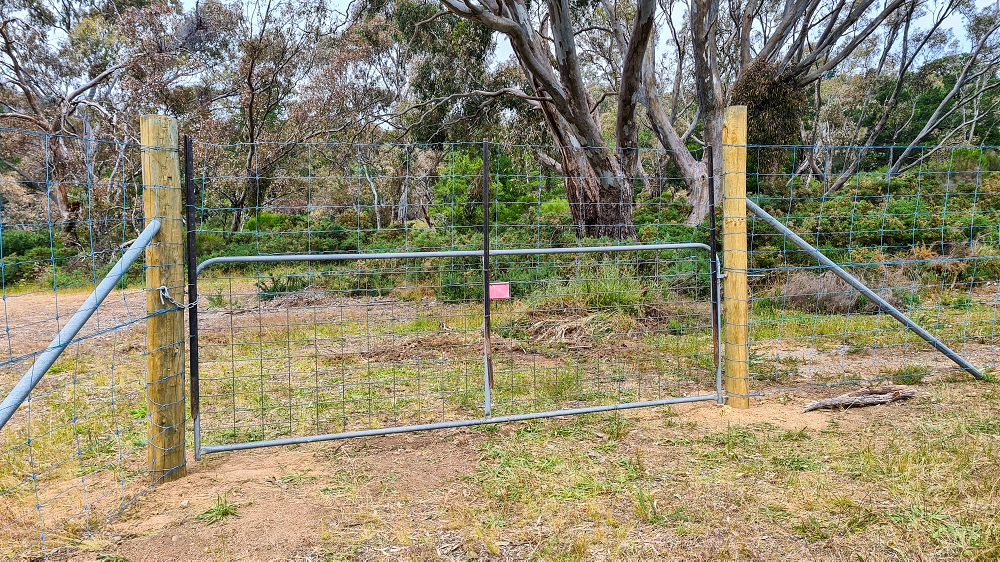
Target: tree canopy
588,82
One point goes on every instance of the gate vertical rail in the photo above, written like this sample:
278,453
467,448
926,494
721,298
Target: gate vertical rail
487,346
192,275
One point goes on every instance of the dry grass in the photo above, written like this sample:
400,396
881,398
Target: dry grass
907,481
895,482
828,294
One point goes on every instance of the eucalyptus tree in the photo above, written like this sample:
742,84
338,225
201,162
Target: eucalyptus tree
737,52
274,74
917,85
599,176
59,63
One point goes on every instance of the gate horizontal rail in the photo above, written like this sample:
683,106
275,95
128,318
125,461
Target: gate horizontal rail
716,396
447,254
453,424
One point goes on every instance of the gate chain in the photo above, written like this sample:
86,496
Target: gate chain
165,297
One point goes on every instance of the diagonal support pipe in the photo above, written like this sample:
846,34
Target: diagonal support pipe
49,355
864,290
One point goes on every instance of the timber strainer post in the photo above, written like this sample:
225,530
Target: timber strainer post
161,178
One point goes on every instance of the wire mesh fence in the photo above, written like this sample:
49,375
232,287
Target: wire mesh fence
290,350
320,347
922,234
74,454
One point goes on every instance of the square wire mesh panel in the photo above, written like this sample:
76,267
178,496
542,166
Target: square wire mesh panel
338,349
383,343
925,238
73,455
602,329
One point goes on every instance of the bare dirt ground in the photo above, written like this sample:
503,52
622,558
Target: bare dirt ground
33,319
401,497
761,484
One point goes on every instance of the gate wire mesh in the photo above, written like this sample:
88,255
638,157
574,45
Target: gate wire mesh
74,454
295,350
924,237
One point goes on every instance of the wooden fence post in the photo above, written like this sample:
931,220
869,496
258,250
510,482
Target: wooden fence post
734,256
161,178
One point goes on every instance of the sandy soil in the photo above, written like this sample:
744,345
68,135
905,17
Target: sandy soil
32,320
389,498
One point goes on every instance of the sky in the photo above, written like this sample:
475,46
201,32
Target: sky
504,50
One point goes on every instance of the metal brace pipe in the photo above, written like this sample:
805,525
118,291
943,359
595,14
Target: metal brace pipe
864,290
62,340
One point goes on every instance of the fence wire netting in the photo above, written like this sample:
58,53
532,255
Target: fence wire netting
919,227
74,454
289,350
299,349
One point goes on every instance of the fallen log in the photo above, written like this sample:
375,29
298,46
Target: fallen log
864,397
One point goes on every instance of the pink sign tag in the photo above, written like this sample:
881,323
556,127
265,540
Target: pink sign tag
499,291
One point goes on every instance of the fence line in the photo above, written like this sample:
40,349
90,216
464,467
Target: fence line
924,239
50,354
400,335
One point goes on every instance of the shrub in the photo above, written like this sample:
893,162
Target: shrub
16,269
20,241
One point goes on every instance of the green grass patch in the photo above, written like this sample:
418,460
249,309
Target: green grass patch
221,510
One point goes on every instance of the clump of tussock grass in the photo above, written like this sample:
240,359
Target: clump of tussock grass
825,293
220,511
605,300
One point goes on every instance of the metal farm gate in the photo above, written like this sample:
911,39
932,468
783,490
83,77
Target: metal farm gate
352,346
379,366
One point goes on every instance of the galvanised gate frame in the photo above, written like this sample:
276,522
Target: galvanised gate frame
195,269
487,405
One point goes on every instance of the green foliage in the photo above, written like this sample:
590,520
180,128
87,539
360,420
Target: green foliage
21,241
459,193
272,233
270,287
24,251
268,222
14,269
924,90
216,300
452,56
879,219
220,511
910,374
